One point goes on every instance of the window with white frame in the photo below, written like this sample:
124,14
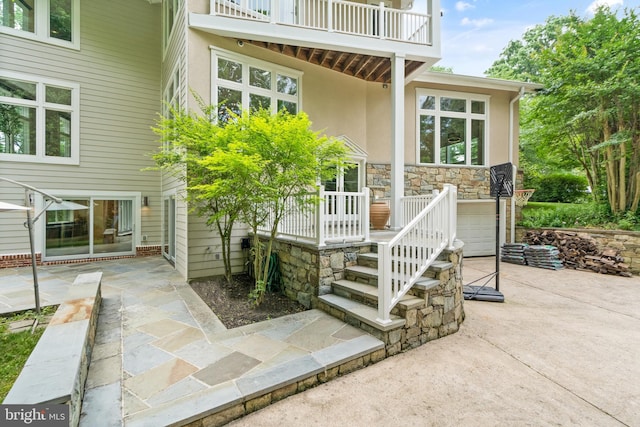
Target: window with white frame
38,119
170,10
51,21
243,83
452,128
171,99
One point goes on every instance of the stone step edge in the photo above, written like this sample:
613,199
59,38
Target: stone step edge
370,272
279,378
362,312
370,293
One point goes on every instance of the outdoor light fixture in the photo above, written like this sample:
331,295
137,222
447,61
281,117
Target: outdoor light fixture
145,201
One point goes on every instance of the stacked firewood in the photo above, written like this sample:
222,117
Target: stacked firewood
580,252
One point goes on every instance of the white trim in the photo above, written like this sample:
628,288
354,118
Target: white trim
244,87
177,13
41,106
168,195
476,82
135,196
41,26
467,115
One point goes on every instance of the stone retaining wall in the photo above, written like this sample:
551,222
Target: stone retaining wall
627,242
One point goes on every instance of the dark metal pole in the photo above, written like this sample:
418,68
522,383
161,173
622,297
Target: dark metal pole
33,262
498,239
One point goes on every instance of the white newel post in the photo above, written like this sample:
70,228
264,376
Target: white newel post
320,218
384,283
397,139
275,11
453,213
364,219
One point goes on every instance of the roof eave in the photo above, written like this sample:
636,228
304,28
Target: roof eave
477,82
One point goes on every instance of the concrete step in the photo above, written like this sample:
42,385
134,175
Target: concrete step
361,312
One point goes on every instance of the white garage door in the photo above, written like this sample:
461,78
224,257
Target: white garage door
477,226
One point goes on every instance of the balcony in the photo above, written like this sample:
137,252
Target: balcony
378,22
330,32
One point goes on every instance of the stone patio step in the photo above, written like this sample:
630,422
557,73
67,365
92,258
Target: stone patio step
361,312
369,294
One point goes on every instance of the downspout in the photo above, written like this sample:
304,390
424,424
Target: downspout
515,169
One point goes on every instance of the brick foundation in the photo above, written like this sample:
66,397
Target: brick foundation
24,260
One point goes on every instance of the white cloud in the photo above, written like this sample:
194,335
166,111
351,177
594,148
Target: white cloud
597,3
478,23
461,6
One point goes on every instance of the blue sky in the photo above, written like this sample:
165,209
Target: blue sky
474,32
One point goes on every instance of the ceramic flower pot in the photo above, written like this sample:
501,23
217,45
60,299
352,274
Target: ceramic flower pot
379,215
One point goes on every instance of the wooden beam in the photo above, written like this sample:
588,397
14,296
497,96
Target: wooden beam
379,63
347,64
336,60
366,59
324,57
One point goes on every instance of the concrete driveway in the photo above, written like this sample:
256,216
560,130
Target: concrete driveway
563,350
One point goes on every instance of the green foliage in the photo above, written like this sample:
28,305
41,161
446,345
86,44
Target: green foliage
587,115
16,347
440,69
291,159
558,187
251,168
577,215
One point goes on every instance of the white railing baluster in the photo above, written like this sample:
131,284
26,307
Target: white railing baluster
408,255
335,15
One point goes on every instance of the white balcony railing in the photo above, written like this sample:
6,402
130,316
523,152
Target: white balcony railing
333,16
403,260
339,217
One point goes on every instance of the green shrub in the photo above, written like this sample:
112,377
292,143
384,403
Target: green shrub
576,215
558,187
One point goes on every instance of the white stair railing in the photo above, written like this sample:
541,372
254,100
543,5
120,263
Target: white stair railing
403,260
413,205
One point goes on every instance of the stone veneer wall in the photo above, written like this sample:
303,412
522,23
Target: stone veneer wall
627,242
307,271
472,182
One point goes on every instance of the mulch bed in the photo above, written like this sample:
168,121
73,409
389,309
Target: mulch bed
231,303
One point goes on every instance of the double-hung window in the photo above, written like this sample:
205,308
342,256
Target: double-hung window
38,119
51,21
452,128
242,83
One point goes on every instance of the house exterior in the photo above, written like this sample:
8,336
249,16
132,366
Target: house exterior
83,83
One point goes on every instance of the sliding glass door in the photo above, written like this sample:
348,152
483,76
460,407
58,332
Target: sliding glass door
90,227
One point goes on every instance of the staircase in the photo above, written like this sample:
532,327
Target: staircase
430,310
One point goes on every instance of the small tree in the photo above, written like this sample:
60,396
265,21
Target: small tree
197,147
252,168
292,159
